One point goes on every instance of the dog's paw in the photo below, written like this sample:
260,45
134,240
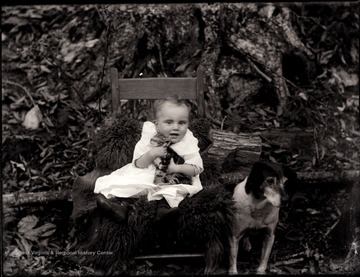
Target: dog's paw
260,271
246,244
233,272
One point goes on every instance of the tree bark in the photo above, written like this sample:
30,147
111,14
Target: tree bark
248,146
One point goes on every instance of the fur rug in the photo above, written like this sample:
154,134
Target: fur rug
203,225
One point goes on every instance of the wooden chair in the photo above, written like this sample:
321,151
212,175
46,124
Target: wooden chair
157,88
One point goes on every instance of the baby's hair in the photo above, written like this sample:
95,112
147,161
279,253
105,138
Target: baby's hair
177,100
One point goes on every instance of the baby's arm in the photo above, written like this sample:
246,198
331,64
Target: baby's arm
187,169
146,159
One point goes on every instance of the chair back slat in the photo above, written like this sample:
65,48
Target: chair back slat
157,88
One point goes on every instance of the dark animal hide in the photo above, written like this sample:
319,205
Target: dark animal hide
203,225
114,144
201,129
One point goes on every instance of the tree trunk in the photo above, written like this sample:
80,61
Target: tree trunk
202,34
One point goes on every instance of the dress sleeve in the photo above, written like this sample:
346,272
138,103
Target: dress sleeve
143,145
140,149
196,161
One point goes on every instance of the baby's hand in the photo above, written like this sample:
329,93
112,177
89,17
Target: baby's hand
159,151
172,167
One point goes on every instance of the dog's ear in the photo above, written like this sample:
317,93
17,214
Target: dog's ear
257,176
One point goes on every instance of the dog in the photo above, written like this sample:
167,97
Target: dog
257,202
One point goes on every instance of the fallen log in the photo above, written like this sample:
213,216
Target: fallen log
169,256
247,146
345,176
30,202
42,197
290,139
10,213
289,262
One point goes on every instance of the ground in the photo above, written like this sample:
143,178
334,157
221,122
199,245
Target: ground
50,59
303,244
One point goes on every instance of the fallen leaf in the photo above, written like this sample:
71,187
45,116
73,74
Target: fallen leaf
91,43
303,96
27,223
326,56
31,235
18,165
182,67
18,103
45,69
343,125
46,230
276,124
33,118
16,253
348,79
354,53
260,111
25,244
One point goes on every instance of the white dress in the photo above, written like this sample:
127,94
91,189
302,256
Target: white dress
131,181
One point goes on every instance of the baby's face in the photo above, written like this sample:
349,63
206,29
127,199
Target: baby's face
173,121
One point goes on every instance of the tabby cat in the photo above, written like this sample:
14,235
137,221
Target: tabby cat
162,163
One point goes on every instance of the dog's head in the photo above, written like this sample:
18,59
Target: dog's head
272,181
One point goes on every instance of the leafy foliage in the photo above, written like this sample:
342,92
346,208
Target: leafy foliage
55,62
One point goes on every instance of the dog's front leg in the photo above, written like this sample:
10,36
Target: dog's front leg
234,249
265,251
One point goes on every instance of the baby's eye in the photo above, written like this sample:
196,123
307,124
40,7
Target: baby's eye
168,121
182,122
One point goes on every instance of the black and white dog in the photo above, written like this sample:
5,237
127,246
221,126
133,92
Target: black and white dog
257,201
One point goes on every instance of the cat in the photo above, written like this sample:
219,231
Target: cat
162,163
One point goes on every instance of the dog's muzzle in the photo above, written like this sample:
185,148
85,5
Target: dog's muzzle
275,193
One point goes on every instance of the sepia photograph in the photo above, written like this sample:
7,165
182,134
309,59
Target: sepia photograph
190,139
